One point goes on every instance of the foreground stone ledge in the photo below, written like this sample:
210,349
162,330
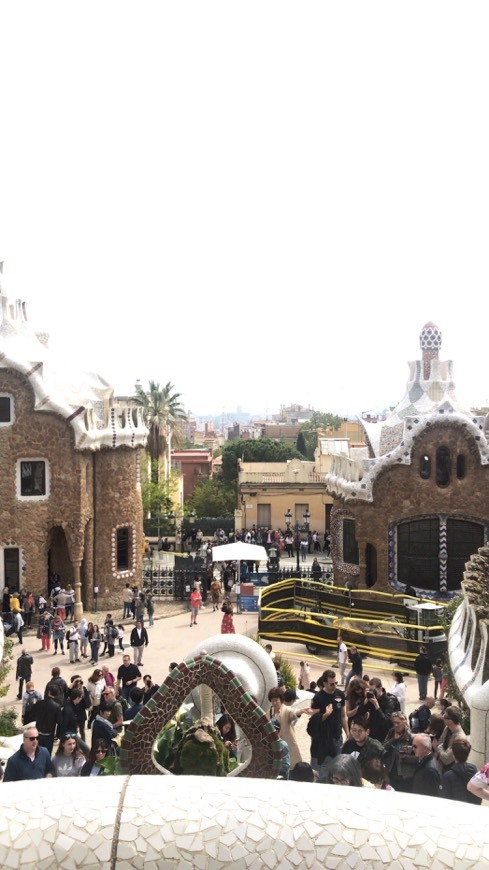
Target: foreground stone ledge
186,822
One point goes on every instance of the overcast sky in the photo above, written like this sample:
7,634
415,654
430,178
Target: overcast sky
260,202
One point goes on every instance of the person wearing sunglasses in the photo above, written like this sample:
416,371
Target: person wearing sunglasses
31,761
98,752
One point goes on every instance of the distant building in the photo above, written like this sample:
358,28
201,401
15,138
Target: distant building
69,472
195,466
413,505
293,414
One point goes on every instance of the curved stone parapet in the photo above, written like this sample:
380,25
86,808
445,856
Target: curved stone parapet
117,823
468,651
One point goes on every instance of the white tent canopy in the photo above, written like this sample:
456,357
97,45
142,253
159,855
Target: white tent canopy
239,551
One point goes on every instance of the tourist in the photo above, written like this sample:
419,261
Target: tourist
98,752
374,771
150,607
287,718
138,640
479,784
356,665
355,696
195,604
75,709
116,717
30,697
453,729
426,779
23,671
136,697
342,658
360,744
304,676
327,722
227,624
95,638
400,760
345,770
150,688
120,636
283,748
17,624
454,781
399,690
95,686
127,677
82,630
215,593
302,772
59,685
423,668
69,758
31,761
101,727
420,719
127,602
227,729
73,640
58,634
437,675
45,630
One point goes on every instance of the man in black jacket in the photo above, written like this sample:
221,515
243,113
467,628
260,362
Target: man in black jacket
356,662
139,639
426,779
423,668
48,717
454,781
378,707
24,671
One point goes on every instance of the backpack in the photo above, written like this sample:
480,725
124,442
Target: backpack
29,708
114,633
391,704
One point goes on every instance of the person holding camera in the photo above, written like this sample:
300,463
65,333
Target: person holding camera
400,760
378,707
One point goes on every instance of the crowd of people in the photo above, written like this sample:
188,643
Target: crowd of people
363,737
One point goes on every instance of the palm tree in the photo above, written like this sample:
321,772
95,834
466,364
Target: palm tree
162,413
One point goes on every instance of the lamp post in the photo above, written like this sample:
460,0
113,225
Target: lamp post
288,517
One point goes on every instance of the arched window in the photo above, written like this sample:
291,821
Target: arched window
460,466
442,466
425,467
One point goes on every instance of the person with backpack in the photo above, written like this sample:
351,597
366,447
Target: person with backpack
419,720
29,699
44,631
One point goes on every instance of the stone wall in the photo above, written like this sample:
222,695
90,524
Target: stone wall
401,493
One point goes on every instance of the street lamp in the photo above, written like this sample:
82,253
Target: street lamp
307,517
288,518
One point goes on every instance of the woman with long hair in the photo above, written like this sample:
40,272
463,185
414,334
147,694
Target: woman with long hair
345,770
287,718
227,730
69,758
355,696
95,641
399,689
227,624
98,752
58,635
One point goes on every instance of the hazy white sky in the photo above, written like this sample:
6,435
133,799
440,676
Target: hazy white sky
261,202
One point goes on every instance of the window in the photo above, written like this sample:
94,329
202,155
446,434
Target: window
264,515
460,466
463,540
300,510
6,410
123,548
425,467
32,478
442,466
350,546
418,546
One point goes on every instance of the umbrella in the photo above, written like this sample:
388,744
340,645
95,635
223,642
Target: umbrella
239,551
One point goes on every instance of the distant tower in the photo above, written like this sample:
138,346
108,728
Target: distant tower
430,344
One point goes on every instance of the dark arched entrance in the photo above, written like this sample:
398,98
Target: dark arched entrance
59,562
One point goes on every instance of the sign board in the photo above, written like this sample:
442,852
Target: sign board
248,604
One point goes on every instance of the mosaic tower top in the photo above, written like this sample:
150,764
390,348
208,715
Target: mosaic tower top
430,396
85,400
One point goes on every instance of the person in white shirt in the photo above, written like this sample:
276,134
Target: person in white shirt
342,659
399,690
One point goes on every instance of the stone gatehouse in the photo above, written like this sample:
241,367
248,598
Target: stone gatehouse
70,499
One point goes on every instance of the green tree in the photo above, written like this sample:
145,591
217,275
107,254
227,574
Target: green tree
255,450
308,433
163,414
212,498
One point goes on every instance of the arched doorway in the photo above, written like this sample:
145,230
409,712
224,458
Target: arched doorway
370,565
59,561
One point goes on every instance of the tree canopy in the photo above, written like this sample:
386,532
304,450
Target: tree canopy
212,498
163,412
307,437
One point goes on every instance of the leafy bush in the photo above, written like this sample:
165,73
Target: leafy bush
8,723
